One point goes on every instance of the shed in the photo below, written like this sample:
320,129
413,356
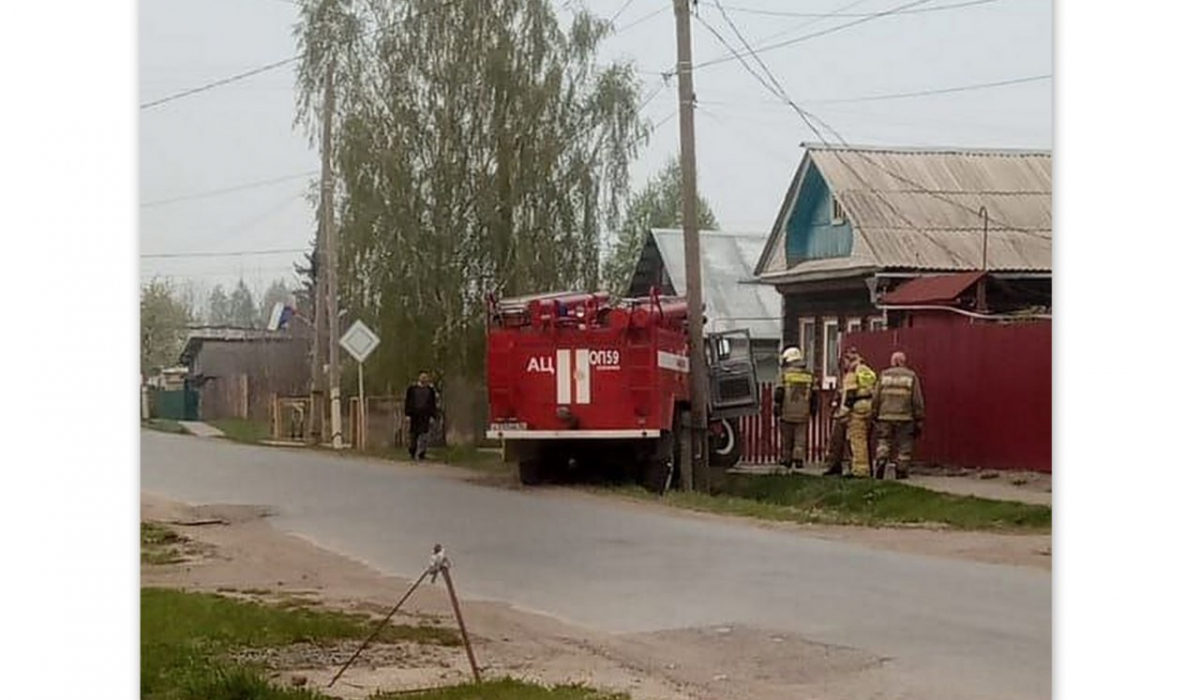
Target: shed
733,298
237,370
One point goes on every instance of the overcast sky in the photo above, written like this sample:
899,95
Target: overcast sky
747,142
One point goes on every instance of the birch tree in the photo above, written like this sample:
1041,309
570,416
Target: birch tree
479,146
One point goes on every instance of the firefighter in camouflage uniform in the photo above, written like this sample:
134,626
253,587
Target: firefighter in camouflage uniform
899,408
795,402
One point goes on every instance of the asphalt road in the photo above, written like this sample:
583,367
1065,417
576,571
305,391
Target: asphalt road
949,628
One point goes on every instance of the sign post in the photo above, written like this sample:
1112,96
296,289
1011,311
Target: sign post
360,341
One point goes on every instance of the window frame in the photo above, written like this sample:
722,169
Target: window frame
828,380
807,344
876,323
837,213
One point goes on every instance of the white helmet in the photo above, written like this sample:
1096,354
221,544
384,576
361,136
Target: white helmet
790,355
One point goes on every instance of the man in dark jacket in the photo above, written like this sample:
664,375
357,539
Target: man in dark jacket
420,405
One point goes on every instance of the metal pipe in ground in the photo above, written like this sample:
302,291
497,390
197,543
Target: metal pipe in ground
462,626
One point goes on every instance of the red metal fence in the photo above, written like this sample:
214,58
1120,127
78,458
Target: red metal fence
987,391
987,395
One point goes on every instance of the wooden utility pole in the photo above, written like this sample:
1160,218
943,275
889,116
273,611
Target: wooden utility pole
316,425
330,265
316,409
697,364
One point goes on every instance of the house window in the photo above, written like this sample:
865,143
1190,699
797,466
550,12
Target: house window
832,341
854,325
808,340
839,214
875,323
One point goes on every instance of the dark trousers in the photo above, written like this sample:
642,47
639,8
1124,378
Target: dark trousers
418,435
837,445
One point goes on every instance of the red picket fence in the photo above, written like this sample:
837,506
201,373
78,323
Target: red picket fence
760,433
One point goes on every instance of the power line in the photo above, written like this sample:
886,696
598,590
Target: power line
218,83
838,13
937,91
227,190
664,120
808,117
229,254
791,42
639,20
270,66
256,272
781,93
917,93
618,12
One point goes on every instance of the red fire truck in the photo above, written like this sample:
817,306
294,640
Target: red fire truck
582,381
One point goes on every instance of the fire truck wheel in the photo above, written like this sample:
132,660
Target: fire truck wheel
724,444
530,472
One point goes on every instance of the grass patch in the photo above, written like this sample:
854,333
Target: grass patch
812,499
186,639
158,545
507,689
164,425
242,430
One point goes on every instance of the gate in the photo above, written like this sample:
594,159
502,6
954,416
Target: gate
179,404
760,433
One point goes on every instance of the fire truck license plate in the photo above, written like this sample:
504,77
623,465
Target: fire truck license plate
509,426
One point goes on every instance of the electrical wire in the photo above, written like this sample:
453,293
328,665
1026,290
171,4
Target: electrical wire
837,13
807,37
808,117
227,254
915,93
935,91
268,67
228,190
639,20
618,13
777,89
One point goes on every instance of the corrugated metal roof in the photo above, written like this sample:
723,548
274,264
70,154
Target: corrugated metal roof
920,208
935,289
732,298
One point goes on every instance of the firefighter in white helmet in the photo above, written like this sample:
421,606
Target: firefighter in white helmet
795,402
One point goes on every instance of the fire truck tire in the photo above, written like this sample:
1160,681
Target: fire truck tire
724,444
529,471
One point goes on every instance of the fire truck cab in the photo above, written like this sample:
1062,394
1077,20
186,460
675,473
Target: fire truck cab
583,382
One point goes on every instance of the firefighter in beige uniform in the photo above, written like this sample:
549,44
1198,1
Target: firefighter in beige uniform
795,402
899,414
858,388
